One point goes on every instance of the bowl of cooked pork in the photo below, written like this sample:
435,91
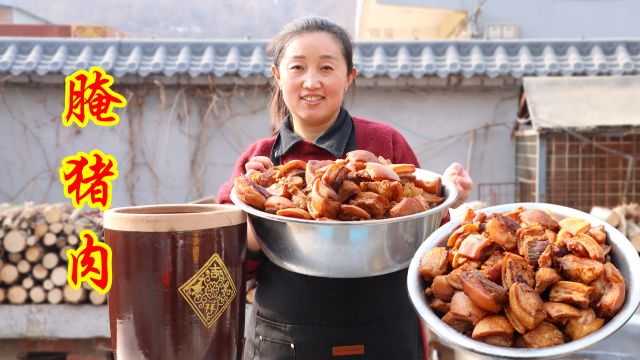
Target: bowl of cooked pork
355,217
525,280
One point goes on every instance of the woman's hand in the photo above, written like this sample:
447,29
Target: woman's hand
258,164
456,173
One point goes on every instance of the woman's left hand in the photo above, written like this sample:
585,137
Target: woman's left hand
456,173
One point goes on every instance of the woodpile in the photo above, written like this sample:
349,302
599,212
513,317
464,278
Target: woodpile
625,218
34,240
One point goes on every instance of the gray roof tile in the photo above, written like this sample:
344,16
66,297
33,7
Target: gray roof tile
372,59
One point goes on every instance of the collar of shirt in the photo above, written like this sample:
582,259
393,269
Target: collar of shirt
338,139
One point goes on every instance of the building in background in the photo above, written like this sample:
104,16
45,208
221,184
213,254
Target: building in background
496,19
15,21
377,20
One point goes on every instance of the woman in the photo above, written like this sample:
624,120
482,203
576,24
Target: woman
305,317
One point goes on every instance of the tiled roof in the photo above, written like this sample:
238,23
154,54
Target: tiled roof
30,56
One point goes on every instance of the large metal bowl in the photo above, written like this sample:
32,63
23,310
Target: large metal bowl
346,249
623,256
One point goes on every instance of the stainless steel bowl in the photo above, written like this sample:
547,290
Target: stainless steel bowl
346,249
623,255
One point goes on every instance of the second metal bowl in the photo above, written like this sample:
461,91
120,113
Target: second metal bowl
623,256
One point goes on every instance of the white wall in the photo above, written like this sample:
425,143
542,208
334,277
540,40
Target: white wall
179,158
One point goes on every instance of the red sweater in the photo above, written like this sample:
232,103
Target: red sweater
381,139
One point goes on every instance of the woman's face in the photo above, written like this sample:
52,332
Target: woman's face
313,78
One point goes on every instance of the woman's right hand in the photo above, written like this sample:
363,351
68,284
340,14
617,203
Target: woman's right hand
258,164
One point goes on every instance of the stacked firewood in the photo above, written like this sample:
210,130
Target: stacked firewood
34,240
625,218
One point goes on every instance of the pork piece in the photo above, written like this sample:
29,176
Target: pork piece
517,326
599,286
293,182
409,189
379,172
592,247
250,193
439,305
376,205
544,335
264,179
534,248
403,170
545,259
571,292
492,267
352,213
585,324
514,214
312,167
575,247
579,269
526,305
275,203
468,217
299,198
280,188
363,156
545,277
494,330
574,225
614,294
408,206
463,308
461,233
502,231
480,220
606,249
322,202
559,313
453,278
529,232
559,248
459,260
432,199
476,246
598,234
482,291
459,324
431,187
538,217
515,269
563,234
292,168
335,175
348,190
441,288
392,190
434,263
295,213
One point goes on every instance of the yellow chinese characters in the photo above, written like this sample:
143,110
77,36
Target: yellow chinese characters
88,96
86,178
91,263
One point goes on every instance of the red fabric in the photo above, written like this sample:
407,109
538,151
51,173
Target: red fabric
423,335
252,268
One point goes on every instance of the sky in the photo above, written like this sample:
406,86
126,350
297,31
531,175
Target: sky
256,19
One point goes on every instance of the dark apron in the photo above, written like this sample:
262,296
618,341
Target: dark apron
304,317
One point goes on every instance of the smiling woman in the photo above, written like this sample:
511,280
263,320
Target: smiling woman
313,76
312,317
